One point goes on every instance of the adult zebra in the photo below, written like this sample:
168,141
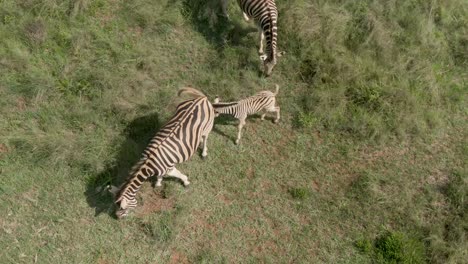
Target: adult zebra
175,143
265,15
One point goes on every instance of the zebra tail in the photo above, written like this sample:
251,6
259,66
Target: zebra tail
277,89
190,91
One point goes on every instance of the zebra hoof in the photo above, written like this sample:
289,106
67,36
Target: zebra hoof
276,121
186,183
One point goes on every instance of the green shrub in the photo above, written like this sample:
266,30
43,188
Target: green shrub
364,245
394,247
299,193
367,96
306,120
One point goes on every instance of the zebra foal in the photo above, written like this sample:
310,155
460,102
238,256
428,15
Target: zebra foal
265,15
174,143
264,101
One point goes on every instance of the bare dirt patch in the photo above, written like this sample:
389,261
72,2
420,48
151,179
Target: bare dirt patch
21,103
177,257
154,201
3,148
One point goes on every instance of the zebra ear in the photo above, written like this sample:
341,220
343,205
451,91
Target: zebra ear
216,100
281,53
112,189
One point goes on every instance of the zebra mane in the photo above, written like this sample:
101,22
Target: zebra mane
271,26
135,168
190,91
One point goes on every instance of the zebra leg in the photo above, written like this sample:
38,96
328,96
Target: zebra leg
261,38
205,148
176,173
277,110
263,116
246,17
241,124
159,180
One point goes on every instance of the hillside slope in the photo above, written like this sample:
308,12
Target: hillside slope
368,163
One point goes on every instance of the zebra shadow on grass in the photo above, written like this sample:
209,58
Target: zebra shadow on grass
137,136
207,18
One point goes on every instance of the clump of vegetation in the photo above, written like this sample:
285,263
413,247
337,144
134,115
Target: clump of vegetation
160,230
299,193
306,120
393,247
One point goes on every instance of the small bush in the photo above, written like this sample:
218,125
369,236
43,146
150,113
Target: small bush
364,245
299,193
393,247
367,96
306,120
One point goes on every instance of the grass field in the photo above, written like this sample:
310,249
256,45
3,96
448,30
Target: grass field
367,165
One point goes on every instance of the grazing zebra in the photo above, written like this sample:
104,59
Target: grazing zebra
175,143
265,14
262,101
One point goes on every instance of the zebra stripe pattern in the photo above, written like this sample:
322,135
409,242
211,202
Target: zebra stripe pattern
265,14
263,101
175,143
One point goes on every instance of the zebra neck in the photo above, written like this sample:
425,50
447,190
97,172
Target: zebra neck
271,44
139,174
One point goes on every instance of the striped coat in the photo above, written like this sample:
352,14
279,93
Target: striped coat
265,14
264,101
175,143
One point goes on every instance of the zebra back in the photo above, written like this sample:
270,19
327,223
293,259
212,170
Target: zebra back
248,105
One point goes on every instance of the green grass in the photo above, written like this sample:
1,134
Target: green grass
368,163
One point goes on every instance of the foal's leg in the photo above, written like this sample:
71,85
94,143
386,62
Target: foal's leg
241,124
277,110
205,148
274,109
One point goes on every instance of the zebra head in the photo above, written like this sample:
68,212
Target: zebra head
124,206
123,203
268,66
269,62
